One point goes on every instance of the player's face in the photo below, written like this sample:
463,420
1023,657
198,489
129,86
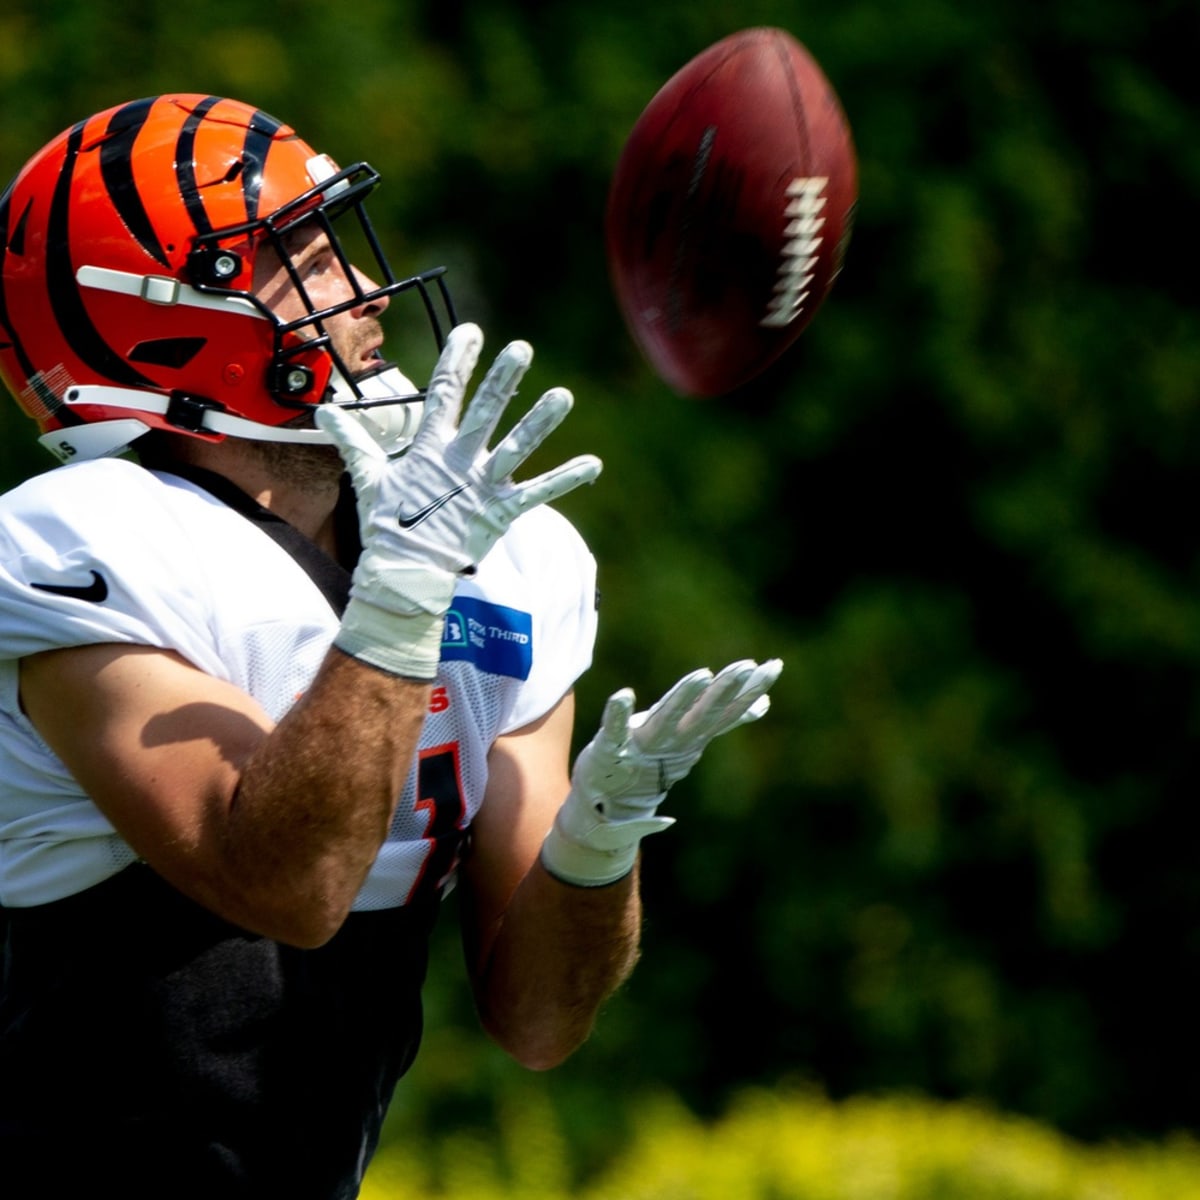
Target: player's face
356,333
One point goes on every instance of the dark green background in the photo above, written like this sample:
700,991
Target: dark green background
959,855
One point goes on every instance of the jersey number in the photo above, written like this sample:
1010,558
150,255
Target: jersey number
440,798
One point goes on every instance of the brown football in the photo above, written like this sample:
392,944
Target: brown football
730,209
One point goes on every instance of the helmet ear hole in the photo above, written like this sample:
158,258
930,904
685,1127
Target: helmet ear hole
214,266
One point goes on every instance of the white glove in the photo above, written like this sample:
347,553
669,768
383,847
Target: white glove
623,773
430,514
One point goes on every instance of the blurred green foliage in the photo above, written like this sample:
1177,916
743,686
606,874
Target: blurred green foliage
790,1145
959,855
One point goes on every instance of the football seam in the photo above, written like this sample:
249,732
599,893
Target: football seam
801,250
802,222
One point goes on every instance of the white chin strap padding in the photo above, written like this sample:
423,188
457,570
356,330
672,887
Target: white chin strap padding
396,407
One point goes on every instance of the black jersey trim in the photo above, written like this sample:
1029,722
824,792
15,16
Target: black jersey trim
332,578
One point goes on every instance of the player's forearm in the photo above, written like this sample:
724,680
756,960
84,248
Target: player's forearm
560,952
313,805
271,826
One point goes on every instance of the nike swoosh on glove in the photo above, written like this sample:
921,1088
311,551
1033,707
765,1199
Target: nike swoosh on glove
431,513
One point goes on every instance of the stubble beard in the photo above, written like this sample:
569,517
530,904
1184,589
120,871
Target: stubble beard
306,467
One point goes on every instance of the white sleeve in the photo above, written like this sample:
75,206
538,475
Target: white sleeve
86,556
90,556
560,575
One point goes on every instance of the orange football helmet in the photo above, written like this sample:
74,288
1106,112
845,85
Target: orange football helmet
126,265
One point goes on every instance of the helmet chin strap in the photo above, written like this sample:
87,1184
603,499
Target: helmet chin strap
385,400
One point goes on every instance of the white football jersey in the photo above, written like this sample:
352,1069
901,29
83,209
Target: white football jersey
106,551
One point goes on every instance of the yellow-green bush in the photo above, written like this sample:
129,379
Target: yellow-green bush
794,1146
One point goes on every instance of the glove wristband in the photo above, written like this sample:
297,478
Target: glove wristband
589,846
583,866
395,617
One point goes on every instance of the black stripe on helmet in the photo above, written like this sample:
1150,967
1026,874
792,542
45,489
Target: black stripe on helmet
185,164
65,299
13,243
116,169
259,136
18,239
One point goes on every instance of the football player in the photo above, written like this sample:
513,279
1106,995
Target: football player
284,651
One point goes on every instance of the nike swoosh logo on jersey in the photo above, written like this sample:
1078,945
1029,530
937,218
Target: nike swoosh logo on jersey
411,519
96,591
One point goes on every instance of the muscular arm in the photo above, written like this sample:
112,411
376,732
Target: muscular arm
272,827
275,828
543,955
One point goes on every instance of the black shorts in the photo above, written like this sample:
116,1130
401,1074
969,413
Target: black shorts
148,1048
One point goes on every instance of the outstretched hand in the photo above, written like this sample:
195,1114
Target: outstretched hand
622,776
432,512
447,499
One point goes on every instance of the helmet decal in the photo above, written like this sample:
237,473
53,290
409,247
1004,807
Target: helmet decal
116,169
14,242
42,399
261,132
70,311
185,165
17,240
